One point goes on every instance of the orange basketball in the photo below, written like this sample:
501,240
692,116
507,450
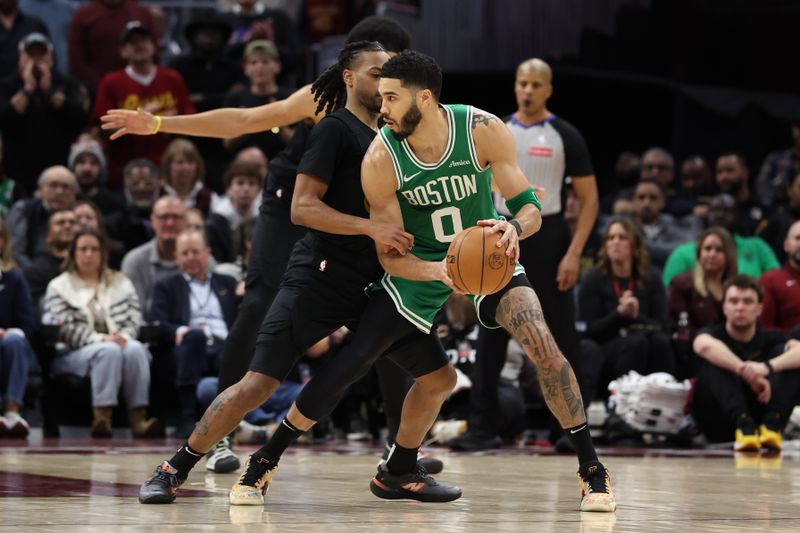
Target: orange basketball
475,263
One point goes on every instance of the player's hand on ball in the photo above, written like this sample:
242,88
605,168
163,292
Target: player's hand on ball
125,121
445,278
391,237
509,238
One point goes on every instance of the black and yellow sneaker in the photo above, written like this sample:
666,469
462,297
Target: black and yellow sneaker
596,493
254,482
162,487
416,485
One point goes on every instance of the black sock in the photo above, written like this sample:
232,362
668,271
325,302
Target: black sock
184,460
746,423
581,440
283,437
401,460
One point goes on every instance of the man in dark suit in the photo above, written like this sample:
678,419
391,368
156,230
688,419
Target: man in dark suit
195,309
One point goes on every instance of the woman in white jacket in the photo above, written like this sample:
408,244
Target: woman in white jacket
98,312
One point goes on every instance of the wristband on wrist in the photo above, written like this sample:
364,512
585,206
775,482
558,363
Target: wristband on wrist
158,125
768,363
517,226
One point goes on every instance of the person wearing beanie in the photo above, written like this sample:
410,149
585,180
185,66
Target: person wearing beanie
88,162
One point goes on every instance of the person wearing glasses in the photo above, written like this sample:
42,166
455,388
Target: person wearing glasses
155,259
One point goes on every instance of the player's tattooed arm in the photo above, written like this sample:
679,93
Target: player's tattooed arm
520,313
483,118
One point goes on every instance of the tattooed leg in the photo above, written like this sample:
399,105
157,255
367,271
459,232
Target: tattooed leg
520,313
229,407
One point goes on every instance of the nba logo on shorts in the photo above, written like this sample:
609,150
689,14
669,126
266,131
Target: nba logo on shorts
323,265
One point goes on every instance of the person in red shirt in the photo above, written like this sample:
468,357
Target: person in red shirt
140,85
782,287
94,35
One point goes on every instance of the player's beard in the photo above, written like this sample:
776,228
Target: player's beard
408,123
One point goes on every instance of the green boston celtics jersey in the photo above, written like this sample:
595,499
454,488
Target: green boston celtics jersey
437,201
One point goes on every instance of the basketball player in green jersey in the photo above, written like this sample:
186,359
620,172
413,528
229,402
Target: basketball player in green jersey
430,170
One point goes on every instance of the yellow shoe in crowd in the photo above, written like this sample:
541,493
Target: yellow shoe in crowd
769,439
746,442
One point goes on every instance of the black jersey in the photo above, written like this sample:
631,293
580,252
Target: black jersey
333,154
268,141
283,168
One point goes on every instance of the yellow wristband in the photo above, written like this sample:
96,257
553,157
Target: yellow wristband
158,125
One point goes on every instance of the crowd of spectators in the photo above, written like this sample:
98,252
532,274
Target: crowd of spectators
101,237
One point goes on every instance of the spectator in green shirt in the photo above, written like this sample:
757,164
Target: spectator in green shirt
754,255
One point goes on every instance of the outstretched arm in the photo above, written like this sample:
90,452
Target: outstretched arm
379,184
222,123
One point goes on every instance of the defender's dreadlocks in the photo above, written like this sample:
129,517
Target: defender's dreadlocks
329,89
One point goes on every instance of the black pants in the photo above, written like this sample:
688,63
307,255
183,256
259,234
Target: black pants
273,238
382,332
540,254
600,363
720,397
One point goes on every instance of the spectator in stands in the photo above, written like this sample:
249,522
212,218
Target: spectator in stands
234,215
661,231
100,320
252,20
10,191
56,15
256,156
61,228
141,84
183,171
41,112
742,388
658,164
27,219
623,306
782,287
695,189
261,65
754,256
155,259
90,216
695,298
142,188
16,325
195,308
14,25
94,38
88,162
778,169
207,72
732,177
784,215
167,48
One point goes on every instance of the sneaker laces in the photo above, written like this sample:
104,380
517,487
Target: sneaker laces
253,476
222,445
165,474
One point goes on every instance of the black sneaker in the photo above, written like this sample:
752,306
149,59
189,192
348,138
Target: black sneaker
221,459
476,441
162,487
416,485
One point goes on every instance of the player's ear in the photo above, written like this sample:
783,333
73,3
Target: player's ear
424,97
349,77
